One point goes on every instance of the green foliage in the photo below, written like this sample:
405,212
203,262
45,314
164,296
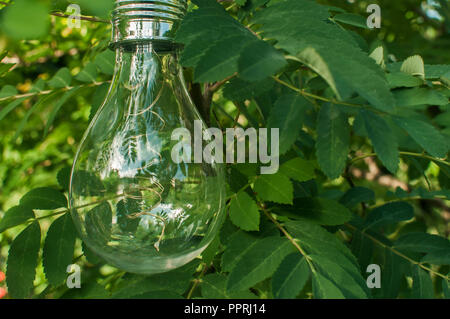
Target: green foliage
353,127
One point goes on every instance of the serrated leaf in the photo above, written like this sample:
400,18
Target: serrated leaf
356,195
8,91
58,249
274,188
388,214
288,115
259,262
44,198
239,244
400,79
299,169
414,65
88,74
333,140
321,211
383,139
244,212
259,60
425,135
351,19
214,287
290,277
61,79
22,261
15,216
422,285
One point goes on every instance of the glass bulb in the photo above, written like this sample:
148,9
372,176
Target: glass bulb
131,202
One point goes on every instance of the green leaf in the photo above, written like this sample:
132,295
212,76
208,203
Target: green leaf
425,135
389,213
15,216
99,222
419,96
351,19
61,79
260,60
214,287
176,281
259,262
326,48
8,91
345,282
422,242
383,139
63,177
422,285
290,277
274,188
438,257
299,169
400,79
321,211
446,288
11,106
333,140
51,117
414,65
105,61
239,244
220,60
88,74
356,195
44,198
58,249
324,288
288,116
211,251
5,67
316,240
392,269
25,19
22,261
244,212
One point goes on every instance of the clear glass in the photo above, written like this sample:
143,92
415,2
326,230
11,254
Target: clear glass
131,203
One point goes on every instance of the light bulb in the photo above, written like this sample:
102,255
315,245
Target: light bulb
131,202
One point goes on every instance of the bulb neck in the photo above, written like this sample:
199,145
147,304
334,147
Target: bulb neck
141,21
